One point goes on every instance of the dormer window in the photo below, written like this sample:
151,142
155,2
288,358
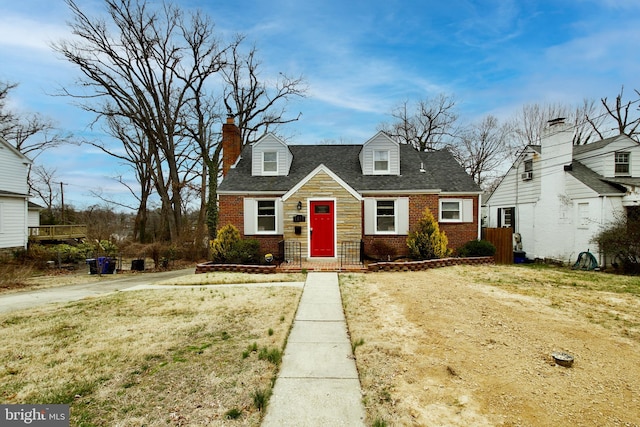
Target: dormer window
270,162
622,163
381,161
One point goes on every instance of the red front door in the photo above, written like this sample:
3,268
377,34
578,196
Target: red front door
321,229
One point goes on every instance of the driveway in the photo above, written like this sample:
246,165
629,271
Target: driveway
28,299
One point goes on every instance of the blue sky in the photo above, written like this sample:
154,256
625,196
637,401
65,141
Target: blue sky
360,59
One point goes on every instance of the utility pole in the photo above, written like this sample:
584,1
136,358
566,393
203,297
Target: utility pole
62,200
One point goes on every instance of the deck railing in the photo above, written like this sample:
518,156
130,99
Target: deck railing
57,232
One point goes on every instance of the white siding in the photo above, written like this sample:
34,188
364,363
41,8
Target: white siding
380,142
13,171
513,188
577,189
13,210
13,228
270,143
602,161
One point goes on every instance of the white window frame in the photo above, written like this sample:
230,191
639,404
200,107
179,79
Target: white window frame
387,154
395,216
400,213
618,162
251,216
465,210
275,216
264,162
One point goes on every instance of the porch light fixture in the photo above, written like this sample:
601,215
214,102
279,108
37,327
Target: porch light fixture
299,206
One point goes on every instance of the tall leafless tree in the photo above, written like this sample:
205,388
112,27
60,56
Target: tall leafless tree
482,148
258,105
139,66
529,123
151,69
430,124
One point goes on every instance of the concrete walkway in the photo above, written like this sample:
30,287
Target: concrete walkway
318,383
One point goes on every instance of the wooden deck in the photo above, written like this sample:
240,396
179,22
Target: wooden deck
57,232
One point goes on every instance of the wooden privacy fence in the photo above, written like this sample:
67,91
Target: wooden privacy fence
502,239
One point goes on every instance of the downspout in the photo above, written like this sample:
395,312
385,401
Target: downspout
601,259
479,236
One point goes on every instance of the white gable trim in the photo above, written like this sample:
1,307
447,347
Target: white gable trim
384,135
15,151
268,136
321,168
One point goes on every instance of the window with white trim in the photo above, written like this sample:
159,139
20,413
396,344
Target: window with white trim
450,210
385,216
381,161
456,210
266,216
622,163
270,162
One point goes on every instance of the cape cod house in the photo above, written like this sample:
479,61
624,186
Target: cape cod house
324,197
15,216
558,196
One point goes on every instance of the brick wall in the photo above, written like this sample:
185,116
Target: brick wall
231,211
457,233
460,233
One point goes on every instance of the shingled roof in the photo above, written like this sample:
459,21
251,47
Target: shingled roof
595,181
441,171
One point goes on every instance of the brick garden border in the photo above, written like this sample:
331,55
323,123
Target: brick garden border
207,267
429,263
375,267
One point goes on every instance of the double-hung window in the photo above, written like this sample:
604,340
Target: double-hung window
451,210
385,216
456,210
266,216
270,162
622,163
381,161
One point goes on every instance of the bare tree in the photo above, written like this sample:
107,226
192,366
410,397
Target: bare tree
529,123
429,125
625,120
45,188
150,70
482,148
140,67
258,105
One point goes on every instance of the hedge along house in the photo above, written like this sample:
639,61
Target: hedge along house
327,197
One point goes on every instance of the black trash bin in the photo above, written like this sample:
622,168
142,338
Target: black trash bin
93,265
137,265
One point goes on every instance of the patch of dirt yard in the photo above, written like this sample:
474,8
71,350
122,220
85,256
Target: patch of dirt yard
466,345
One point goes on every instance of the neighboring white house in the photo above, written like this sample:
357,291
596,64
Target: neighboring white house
558,196
14,197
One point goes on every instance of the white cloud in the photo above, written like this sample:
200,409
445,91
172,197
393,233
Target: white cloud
25,33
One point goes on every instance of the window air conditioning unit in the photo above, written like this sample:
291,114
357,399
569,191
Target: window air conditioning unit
527,176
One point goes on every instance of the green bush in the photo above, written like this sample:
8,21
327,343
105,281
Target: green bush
427,241
244,252
476,248
229,248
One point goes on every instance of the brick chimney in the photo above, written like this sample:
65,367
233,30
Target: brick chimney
231,144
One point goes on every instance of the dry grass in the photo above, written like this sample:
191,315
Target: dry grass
164,357
223,278
468,345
